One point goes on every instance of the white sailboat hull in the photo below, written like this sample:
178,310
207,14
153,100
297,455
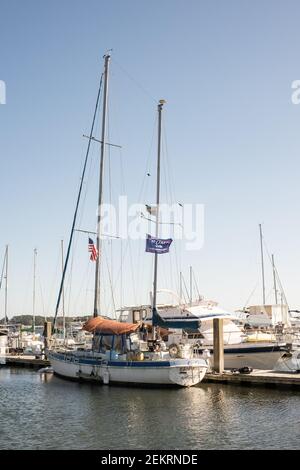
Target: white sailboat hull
3,349
288,362
255,356
180,372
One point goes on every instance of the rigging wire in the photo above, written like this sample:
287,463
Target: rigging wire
276,274
121,240
128,245
90,172
77,205
143,196
115,275
146,92
2,272
110,244
79,291
196,284
250,296
185,297
148,170
110,282
42,298
53,283
87,290
171,186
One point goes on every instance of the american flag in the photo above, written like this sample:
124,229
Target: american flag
93,250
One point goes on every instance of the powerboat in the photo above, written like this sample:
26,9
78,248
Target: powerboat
195,322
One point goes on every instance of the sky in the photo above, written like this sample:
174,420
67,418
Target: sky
230,133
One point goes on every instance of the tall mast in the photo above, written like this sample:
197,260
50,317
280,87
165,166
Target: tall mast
63,290
180,286
274,280
262,265
6,285
160,106
33,291
100,196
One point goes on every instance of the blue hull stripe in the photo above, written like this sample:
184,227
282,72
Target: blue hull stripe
154,364
257,349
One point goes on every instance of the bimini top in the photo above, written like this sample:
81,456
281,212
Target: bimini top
109,327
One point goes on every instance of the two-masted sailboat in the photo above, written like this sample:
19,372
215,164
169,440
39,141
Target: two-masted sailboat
128,353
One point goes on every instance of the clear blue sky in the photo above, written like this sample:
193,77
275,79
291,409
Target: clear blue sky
225,69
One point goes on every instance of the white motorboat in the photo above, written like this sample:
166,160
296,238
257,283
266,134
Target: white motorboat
3,344
195,322
289,362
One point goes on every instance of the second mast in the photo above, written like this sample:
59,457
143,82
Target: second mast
100,195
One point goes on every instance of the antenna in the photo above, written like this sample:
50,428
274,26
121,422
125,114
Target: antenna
274,280
262,265
33,292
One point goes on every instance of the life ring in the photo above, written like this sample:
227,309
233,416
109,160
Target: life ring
174,350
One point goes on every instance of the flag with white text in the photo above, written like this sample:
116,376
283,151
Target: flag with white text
157,245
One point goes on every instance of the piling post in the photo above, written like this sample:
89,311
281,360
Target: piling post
47,333
218,345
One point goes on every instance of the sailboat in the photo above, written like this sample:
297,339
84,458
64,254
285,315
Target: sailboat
3,328
127,353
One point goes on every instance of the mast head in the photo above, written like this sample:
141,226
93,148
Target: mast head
107,53
160,105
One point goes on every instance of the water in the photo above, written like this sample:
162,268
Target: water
41,411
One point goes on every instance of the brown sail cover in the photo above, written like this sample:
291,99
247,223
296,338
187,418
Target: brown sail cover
109,327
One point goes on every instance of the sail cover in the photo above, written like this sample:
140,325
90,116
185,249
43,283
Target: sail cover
109,327
175,323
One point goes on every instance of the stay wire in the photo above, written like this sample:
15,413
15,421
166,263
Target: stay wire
77,205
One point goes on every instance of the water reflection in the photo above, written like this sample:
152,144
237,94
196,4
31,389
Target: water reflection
44,412
45,377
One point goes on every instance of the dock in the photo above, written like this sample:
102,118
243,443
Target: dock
26,361
258,377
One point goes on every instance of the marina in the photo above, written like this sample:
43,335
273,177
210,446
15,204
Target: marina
260,377
215,372
149,243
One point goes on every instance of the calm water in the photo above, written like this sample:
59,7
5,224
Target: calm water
40,411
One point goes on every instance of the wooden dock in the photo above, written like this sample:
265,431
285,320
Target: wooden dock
258,377
26,361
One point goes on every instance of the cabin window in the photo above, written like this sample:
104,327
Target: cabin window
136,315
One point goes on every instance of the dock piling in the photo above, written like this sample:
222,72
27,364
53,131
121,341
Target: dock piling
47,333
218,365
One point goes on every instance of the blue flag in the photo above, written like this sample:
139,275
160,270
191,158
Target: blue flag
157,245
